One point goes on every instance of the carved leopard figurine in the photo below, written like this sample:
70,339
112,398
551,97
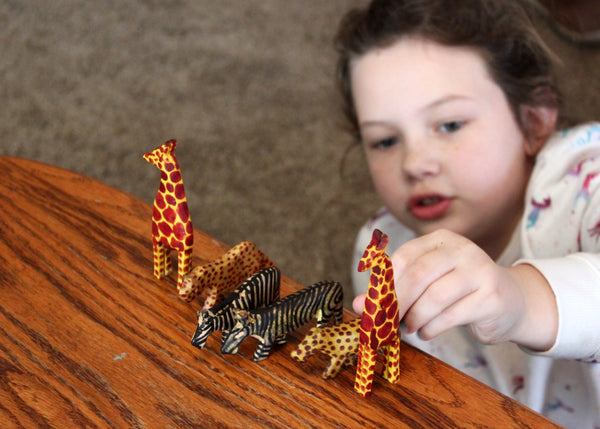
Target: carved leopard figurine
339,343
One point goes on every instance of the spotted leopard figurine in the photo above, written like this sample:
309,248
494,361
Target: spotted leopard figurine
339,343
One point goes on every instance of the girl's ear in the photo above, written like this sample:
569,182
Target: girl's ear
539,122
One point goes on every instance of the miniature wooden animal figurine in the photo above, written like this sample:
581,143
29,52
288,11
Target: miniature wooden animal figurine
339,343
380,320
171,223
223,274
271,324
259,290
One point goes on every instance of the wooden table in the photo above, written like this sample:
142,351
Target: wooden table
89,338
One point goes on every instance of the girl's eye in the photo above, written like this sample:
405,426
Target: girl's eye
451,127
385,143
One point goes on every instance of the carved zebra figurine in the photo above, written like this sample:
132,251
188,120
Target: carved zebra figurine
259,290
272,324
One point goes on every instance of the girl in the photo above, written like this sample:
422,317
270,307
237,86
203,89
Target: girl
493,217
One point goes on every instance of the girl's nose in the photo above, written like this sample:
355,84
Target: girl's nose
420,162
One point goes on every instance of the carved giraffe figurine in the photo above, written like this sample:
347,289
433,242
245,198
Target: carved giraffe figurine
171,223
380,321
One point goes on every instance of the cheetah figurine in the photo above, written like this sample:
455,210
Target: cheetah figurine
216,278
339,343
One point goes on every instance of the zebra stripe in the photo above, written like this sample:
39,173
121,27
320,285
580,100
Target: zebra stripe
273,323
257,291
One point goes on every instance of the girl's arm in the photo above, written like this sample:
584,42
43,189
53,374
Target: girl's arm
575,280
444,280
562,241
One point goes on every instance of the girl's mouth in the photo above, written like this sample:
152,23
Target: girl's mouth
429,207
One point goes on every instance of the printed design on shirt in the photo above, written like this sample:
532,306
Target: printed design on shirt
476,360
592,133
535,212
595,231
592,360
576,172
518,382
584,193
558,404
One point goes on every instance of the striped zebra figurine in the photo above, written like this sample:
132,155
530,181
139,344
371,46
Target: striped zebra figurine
271,324
257,291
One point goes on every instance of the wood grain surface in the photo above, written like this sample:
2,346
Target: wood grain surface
88,337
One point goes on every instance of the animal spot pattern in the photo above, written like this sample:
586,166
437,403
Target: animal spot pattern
380,321
339,343
220,276
171,223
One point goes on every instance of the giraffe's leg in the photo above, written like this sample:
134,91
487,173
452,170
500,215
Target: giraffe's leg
184,262
165,265
391,370
365,370
162,262
168,261
157,259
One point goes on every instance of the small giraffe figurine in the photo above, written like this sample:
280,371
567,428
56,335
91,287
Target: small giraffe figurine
171,223
380,320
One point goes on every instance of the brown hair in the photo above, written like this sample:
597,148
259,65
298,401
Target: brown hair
501,30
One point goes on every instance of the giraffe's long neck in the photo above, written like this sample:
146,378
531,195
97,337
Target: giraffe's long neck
378,272
381,294
171,182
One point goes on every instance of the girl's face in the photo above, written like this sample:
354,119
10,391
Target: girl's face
442,144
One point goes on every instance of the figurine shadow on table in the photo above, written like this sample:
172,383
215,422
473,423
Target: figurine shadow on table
257,291
271,324
339,343
379,325
223,274
171,222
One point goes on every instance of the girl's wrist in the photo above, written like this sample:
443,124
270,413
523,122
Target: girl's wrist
538,326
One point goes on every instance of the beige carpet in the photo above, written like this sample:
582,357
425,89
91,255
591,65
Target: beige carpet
246,87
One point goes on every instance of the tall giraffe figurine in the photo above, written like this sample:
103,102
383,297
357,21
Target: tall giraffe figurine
380,321
171,223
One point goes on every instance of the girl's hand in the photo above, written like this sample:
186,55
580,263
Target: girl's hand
444,280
